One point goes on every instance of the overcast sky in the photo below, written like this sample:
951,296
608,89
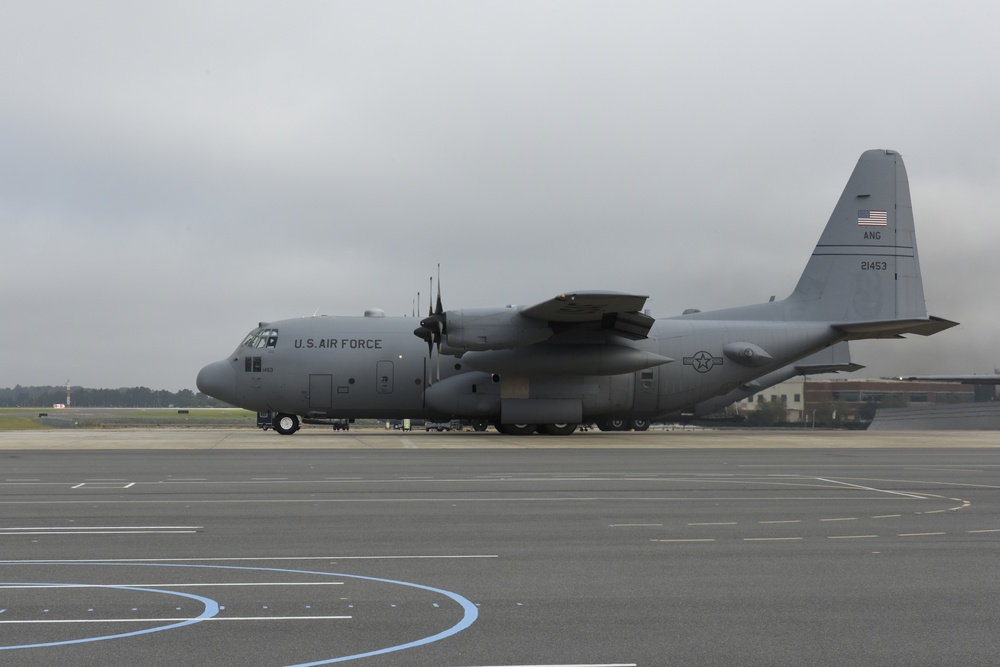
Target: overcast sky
173,173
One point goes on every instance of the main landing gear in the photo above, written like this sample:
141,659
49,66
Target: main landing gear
638,424
528,429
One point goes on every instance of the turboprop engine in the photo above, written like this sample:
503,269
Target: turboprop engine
552,359
490,328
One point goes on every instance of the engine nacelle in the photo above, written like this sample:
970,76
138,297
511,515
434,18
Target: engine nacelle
492,329
564,360
466,395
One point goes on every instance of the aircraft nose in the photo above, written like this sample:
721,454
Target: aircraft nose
218,380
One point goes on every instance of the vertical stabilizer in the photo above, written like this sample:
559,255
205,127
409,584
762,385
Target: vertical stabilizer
865,267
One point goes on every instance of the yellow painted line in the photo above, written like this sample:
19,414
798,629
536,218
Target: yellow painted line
709,539
849,537
989,530
770,539
783,521
714,523
846,518
918,534
887,516
936,511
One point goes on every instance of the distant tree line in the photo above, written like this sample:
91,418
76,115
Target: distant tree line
124,397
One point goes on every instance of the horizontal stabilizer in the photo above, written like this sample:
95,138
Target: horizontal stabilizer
895,328
828,368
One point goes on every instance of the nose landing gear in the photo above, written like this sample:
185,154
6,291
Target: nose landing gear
285,424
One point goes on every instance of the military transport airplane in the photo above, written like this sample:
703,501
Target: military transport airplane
592,356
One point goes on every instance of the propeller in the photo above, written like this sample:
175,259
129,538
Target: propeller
433,327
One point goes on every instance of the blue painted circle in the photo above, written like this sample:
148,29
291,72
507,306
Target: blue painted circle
211,609
469,615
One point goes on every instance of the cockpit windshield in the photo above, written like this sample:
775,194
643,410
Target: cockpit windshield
261,338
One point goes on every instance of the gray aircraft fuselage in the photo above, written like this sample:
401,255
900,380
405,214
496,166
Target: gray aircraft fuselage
374,367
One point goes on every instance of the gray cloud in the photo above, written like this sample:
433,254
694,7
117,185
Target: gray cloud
170,175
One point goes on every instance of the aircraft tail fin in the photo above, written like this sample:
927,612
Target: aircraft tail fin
865,268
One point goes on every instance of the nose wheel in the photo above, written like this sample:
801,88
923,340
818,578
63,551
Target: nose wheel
285,424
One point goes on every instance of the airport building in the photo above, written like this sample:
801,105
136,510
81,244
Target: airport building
840,401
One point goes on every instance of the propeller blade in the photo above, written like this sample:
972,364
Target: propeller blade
439,309
440,337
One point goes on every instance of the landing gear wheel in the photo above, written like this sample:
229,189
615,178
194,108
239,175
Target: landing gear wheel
639,424
479,424
516,429
285,424
613,425
556,429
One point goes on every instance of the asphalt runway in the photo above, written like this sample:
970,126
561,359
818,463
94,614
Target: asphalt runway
186,547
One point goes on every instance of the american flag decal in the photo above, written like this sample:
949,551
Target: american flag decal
873,218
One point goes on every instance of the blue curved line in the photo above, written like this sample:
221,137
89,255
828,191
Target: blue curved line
471,613
469,617
211,609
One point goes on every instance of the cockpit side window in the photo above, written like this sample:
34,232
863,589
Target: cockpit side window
261,338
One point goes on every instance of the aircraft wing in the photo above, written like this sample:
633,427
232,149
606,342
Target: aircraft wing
612,310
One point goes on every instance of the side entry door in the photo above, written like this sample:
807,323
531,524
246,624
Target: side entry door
320,392
647,389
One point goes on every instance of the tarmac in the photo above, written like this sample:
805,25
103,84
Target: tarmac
323,438
232,547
